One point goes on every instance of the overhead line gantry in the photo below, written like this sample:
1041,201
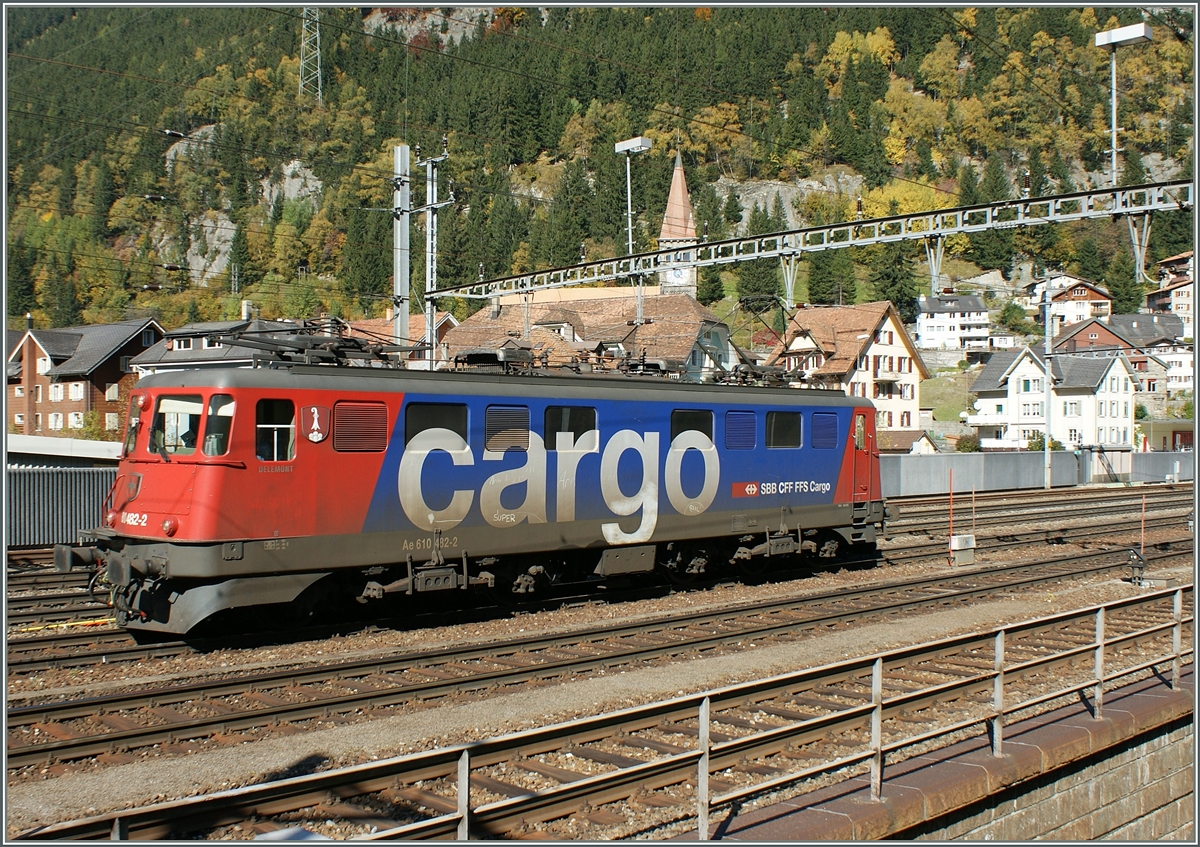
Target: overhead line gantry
933,227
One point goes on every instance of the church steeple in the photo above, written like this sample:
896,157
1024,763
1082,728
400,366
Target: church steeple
678,223
678,230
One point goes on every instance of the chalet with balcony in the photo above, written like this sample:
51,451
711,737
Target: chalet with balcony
861,350
1175,292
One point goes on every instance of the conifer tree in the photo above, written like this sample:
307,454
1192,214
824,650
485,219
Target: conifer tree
759,277
831,278
733,209
893,277
709,288
1088,262
1123,282
19,279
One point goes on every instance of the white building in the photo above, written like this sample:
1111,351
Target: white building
862,350
1092,400
952,322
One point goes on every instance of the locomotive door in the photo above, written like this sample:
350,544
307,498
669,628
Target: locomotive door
862,459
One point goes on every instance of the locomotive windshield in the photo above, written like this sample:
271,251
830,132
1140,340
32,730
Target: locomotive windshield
176,425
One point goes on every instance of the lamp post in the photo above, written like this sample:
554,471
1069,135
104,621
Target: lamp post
1112,39
630,146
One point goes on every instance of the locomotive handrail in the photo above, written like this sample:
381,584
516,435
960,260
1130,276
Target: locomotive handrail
232,463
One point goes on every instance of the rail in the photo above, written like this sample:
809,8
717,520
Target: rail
992,676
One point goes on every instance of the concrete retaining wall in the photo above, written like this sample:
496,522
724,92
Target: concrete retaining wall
916,476
1141,791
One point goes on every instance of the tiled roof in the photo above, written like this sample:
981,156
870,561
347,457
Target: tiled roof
898,440
381,328
89,346
1070,371
992,375
159,354
842,332
674,322
1147,329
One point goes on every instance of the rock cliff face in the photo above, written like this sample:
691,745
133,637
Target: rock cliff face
763,192
211,237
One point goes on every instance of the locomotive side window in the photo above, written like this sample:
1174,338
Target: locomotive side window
176,425
218,424
860,432
688,420
419,417
275,430
573,419
359,427
783,430
740,431
506,428
824,431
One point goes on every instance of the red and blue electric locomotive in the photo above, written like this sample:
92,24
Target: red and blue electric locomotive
251,486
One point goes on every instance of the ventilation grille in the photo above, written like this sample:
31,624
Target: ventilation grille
506,428
359,427
739,430
824,431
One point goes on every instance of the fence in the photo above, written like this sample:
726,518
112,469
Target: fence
915,476
48,506
1079,654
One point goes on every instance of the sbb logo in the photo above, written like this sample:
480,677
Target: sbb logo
745,489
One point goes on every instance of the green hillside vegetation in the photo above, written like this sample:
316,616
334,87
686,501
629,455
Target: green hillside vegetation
931,107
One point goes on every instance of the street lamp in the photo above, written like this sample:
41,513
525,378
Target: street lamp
1112,39
630,146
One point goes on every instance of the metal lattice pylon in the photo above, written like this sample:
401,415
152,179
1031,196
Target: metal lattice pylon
310,53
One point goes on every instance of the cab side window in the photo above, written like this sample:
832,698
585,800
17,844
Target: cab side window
217,425
275,430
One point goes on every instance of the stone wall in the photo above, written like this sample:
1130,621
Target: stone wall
1141,791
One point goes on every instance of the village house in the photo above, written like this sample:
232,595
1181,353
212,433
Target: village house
1174,293
196,346
58,379
862,350
1093,400
952,322
602,331
1162,363
1073,299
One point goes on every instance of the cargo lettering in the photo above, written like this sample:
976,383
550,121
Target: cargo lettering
532,477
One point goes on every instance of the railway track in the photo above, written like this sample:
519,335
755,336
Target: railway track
40,733
77,649
631,773
1001,510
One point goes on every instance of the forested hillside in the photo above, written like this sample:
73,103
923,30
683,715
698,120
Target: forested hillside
147,137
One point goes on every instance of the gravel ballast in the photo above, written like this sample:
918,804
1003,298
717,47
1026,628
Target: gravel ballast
54,798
